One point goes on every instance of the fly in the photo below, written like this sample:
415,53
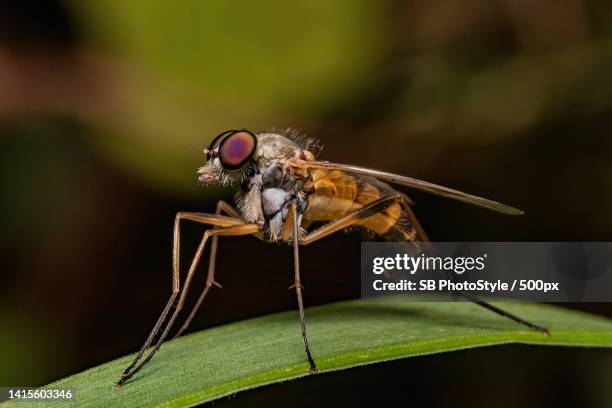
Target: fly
284,191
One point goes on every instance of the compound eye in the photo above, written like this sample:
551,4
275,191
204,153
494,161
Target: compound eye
236,149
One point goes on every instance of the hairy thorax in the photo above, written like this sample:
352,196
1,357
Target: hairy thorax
271,188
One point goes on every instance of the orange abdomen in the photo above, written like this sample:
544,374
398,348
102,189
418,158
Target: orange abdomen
336,194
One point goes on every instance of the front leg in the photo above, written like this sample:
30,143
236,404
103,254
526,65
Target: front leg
228,226
222,207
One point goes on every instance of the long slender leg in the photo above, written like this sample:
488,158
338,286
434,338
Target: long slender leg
222,206
472,298
201,218
230,226
377,206
298,285
501,312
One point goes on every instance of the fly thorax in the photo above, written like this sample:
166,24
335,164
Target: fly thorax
279,190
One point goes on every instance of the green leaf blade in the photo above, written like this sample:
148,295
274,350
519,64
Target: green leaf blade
238,356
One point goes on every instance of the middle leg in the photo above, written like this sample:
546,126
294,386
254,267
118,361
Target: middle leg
297,284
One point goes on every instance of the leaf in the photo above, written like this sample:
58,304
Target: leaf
246,354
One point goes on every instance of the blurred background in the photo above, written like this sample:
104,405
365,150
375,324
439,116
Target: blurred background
105,107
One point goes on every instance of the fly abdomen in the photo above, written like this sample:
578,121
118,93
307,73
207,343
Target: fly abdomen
333,195
337,194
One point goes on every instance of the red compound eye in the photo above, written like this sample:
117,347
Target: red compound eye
236,149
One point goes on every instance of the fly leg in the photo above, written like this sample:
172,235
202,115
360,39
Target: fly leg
472,298
236,230
230,226
380,205
208,219
324,231
298,284
222,206
476,300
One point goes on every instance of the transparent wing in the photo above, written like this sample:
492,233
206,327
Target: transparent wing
411,182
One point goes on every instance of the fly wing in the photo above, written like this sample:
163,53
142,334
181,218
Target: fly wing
410,182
